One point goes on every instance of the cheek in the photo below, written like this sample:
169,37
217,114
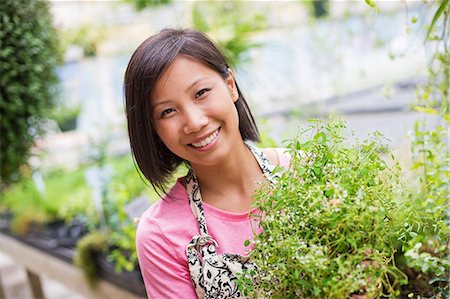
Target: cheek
226,108
165,133
233,113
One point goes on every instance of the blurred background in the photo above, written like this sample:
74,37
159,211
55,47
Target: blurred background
65,152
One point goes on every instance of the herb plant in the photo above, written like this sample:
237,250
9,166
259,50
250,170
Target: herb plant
328,225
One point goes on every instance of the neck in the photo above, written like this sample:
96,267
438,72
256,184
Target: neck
230,184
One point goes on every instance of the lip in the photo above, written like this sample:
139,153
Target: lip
203,137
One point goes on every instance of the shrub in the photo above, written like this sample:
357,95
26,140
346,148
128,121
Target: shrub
328,225
343,222
28,58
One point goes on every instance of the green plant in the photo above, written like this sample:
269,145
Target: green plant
22,223
142,4
266,139
86,36
123,253
318,9
124,188
66,116
293,251
424,254
122,229
230,24
28,82
328,224
426,250
88,249
54,202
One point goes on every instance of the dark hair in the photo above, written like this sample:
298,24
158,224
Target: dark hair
147,64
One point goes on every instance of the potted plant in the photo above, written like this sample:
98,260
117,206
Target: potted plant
340,223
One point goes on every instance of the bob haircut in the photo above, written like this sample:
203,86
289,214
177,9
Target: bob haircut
147,64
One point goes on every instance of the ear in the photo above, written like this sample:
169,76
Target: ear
232,86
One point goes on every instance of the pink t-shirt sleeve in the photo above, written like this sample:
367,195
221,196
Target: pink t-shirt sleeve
164,273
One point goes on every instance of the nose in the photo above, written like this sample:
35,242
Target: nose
194,119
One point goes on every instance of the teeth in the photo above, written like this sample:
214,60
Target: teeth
207,140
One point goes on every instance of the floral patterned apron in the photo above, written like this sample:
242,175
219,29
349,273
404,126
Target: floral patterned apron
213,275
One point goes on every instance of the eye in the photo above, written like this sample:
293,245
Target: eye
166,112
202,92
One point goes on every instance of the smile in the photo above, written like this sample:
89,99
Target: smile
207,140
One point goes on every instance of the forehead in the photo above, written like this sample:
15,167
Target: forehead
181,74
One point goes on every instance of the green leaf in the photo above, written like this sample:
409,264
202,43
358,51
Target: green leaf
442,7
198,20
371,3
426,110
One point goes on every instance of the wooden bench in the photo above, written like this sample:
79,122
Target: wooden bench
38,262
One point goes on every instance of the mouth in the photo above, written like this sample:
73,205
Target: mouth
207,140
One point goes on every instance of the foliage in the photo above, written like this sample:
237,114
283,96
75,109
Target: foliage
21,224
28,204
125,187
229,23
142,4
87,37
427,250
66,116
328,224
122,229
88,249
54,202
318,9
266,139
411,217
28,58
373,5
442,9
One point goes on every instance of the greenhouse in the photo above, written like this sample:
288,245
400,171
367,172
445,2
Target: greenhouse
317,131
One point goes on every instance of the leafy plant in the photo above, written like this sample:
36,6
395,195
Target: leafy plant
88,249
328,224
66,116
297,254
124,188
142,4
85,36
29,205
426,257
318,9
28,82
229,23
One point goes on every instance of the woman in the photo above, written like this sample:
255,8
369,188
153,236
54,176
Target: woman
184,106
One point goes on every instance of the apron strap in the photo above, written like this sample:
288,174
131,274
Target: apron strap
195,201
206,268
266,166
195,198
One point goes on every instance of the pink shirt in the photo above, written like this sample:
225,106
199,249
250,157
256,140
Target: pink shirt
168,226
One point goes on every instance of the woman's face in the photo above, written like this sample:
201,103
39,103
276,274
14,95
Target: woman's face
193,112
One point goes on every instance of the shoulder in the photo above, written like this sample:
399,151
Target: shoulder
173,200
166,217
278,156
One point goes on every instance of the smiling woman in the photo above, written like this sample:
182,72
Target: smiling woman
194,112
184,106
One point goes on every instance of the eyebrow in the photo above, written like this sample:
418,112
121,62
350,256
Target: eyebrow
187,89
195,82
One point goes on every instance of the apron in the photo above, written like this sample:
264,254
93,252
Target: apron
213,275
